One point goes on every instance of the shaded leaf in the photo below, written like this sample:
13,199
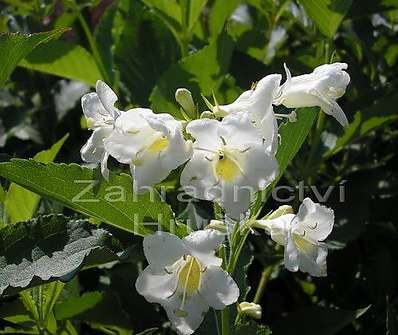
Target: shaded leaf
316,321
145,49
84,190
379,114
200,72
49,248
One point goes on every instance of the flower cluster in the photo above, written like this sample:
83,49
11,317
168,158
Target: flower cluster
232,155
229,154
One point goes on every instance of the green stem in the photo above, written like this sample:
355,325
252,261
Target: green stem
225,326
93,47
262,284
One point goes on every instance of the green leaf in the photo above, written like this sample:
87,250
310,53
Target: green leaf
49,248
40,302
21,204
65,60
201,72
16,46
245,260
144,50
77,305
292,136
85,191
371,118
219,14
327,14
192,10
169,11
2,194
251,327
316,321
104,39
100,309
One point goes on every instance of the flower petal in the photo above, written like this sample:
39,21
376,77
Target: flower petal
189,320
94,111
291,255
93,151
316,220
205,132
202,245
156,285
278,228
198,179
315,264
107,96
162,249
218,288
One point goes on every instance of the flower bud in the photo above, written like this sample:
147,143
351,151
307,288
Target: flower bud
282,210
217,225
207,115
250,309
184,98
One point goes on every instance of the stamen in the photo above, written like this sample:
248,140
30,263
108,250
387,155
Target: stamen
223,140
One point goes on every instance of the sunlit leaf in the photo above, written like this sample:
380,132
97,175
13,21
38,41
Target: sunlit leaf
15,46
64,60
21,204
85,191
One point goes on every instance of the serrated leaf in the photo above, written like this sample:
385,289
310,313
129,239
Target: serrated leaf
49,248
84,190
200,72
21,204
15,46
292,137
327,14
65,60
40,302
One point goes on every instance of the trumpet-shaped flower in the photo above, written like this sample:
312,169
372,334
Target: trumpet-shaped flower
100,113
257,104
153,145
302,236
321,88
229,163
185,277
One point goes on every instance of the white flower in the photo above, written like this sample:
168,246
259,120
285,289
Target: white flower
302,236
321,88
100,113
185,277
257,103
229,163
153,145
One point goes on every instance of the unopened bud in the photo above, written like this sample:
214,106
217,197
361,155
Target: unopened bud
217,225
282,210
207,115
184,98
250,309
